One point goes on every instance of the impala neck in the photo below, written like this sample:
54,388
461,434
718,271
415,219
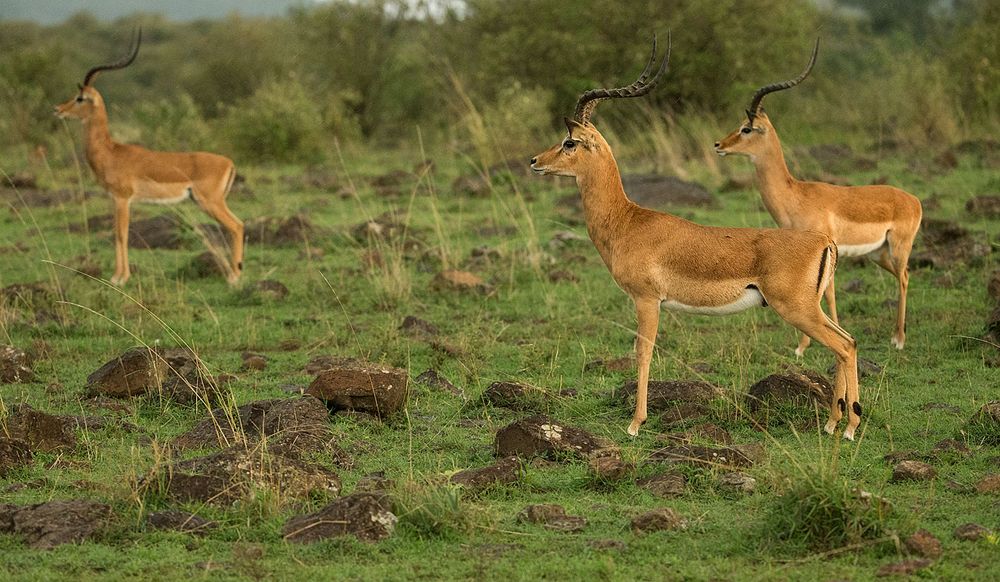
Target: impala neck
776,182
97,138
605,205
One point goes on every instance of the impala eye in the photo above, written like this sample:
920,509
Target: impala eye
79,98
569,144
745,130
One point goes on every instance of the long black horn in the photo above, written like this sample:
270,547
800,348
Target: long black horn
121,64
643,85
755,102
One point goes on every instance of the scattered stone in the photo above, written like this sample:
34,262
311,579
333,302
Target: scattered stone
565,239
291,230
434,379
252,361
15,366
610,469
206,265
367,516
970,532
362,386
14,453
984,206
176,373
700,456
662,394
42,432
231,474
664,485
47,525
552,516
737,482
622,364
540,435
267,290
803,388
182,521
513,396
664,518
505,471
455,280
912,471
665,192
416,327
158,232
904,568
924,544
989,484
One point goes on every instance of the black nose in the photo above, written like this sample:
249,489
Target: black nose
716,144
533,160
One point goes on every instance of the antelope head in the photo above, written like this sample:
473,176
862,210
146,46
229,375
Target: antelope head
87,99
584,145
756,132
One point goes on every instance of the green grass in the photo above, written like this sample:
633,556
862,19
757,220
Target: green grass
530,330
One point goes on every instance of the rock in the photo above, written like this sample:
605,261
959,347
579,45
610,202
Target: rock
563,276
737,482
362,386
970,532
15,366
552,516
984,425
895,457
924,544
172,372
455,280
984,206
233,473
367,516
505,471
665,192
622,364
661,395
182,521
14,453
804,388
660,519
41,431
610,469
205,265
159,232
290,425
664,485
700,456
943,245
912,471
252,361
434,379
904,568
989,484
540,435
866,369
415,327
514,396
266,290
291,230
54,523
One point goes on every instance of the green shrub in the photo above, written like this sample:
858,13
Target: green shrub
432,510
172,124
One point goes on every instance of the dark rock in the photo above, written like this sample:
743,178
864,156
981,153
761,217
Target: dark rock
904,568
362,386
19,181
367,516
231,474
660,519
434,379
176,373
54,523
540,435
768,397
15,366
662,394
505,471
41,431
988,484
563,276
206,265
943,245
984,206
267,290
252,361
970,532
737,482
924,544
159,232
416,327
455,280
610,469
514,396
700,456
291,230
14,453
912,471
182,521
665,192
664,485
552,516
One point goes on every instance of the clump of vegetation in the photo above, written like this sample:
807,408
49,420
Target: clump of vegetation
432,509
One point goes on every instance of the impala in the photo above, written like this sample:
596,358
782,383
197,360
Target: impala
131,172
661,260
878,221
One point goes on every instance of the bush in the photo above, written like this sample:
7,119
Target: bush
172,124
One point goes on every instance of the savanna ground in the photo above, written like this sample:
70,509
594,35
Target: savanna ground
348,296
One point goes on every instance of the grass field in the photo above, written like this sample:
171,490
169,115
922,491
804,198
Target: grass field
534,327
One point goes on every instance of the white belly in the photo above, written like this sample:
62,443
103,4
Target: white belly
163,193
859,250
751,297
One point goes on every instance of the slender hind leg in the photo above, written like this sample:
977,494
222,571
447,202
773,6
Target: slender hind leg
122,271
649,318
220,212
831,304
894,258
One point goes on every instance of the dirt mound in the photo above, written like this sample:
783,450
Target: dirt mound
282,231
455,280
182,521
662,394
158,232
514,396
664,485
42,431
47,525
15,366
366,516
700,456
771,398
553,517
943,244
660,519
984,206
14,453
504,471
361,386
543,436
172,372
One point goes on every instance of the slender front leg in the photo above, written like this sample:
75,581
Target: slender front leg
122,272
648,312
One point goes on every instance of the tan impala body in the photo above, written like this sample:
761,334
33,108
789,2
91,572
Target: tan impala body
131,172
878,221
661,260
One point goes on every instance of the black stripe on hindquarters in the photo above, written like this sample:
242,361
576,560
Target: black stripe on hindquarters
822,268
763,300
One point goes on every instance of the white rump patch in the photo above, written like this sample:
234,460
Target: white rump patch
859,250
751,297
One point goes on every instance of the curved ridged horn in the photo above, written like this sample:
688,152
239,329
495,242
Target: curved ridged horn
121,64
643,85
755,102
